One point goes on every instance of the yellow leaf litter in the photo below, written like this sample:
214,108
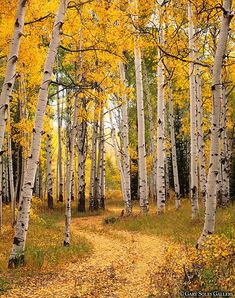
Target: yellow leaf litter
118,267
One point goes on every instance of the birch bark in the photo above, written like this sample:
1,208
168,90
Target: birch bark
193,132
152,138
49,174
10,74
125,134
17,252
60,170
82,130
173,149
69,177
0,194
201,153
143,187
127,202
93,205
161,188
11,182
209,224
224,152
100,172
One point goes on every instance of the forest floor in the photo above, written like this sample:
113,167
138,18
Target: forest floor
121,262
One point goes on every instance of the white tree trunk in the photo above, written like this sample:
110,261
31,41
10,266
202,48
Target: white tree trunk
209,224
201,153
193,132
11,182
127,202
49,174
10,74
161,188
224,152
69,175
100,172
173,149
82,130
60,168
143,187
17,253
40,181
125,135
6,180
93,200
0,194
36,184
153,175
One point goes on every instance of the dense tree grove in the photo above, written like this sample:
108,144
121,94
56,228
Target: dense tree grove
99,95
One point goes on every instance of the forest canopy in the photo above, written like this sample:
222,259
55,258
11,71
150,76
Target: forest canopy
116,108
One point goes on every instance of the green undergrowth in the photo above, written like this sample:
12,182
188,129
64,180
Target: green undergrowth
44,248
176,225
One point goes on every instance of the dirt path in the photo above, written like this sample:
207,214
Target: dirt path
118,267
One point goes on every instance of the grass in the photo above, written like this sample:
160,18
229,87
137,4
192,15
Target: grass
177,225
45,252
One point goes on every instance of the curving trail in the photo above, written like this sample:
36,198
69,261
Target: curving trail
119,266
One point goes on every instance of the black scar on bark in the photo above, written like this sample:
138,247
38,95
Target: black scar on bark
16,241
24,2
17,23
66,244
14,59
194,189
210,233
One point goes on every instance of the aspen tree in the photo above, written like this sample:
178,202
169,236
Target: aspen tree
209,224
201,153
100,170
5,179
17,252
193,132
224,151
142,168
0,193
173,148
11,182
161,188
17,173
36,183
93,204
125,135
68,132
127,202
49,174
82,131
60,168
40,180
69,175
152,138
10,74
